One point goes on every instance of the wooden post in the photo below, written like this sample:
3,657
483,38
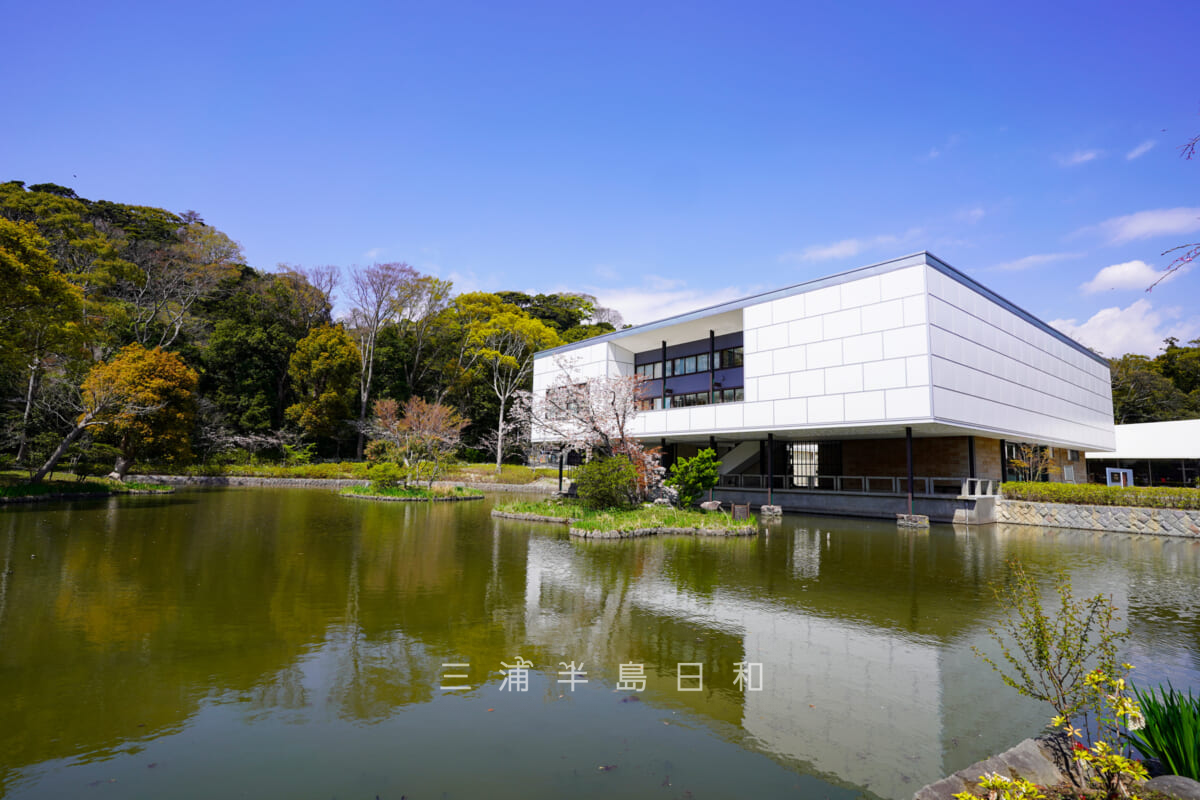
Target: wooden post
908,459
560,469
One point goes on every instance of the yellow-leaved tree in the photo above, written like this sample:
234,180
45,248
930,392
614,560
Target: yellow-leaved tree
141,400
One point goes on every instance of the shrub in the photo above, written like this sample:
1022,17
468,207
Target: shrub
1172,729
384,474
694,476
1048,655
1097,495
607,483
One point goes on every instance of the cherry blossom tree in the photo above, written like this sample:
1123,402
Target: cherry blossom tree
595,414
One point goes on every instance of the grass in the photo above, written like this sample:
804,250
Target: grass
625,520
1095,494
513,474
1172,731
15,484
410,492
356,470
343,470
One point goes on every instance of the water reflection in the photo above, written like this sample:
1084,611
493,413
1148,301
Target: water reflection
319,625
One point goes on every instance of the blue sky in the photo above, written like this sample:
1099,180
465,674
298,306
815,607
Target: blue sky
662,156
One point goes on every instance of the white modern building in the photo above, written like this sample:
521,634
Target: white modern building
1154,453
828,395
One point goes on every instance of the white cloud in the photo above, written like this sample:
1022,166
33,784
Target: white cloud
1138,328
1141,149
1079,157
373,254
606,272
951,142
1147,224
1036,260
658,298
848,248
970,215
1129,275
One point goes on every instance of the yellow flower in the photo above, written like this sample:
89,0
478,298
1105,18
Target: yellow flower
1058,722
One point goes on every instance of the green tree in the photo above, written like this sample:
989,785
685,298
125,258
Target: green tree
323,370
1141,393
505,344
692,477
142,401
40,309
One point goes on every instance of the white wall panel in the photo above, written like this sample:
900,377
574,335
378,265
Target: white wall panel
868,347
907,403
824,354
882,316
864,406
826,409
890,374
839,380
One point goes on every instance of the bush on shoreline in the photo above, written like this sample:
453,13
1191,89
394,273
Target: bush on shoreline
410,492
638,518
1095,494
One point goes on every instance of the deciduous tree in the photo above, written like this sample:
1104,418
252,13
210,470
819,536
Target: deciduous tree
374,294
505,345
142,400
323,371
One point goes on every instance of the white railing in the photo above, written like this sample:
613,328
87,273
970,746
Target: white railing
865,484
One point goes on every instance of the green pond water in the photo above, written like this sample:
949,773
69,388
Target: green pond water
290,643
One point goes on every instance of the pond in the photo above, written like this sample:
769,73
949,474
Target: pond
291,643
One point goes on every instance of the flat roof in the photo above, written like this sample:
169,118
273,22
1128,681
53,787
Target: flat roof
1148,440
916,259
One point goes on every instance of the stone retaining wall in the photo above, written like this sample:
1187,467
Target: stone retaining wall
240,480
586,534
1124,519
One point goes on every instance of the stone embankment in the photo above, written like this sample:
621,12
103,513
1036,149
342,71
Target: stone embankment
245,480
583,533
1121,519
540,486
1045,762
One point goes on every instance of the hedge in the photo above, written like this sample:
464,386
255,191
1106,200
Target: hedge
1096,495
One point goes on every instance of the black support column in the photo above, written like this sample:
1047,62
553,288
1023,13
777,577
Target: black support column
970,456
908,460
770,467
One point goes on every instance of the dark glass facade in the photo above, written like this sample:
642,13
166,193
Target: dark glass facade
692,373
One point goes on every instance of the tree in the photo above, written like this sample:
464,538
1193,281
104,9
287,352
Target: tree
173,276
1187,253
374,292
695,476
419,304
595,414
38,305
1141,393
142,400
323,370
256,323
1034,462
506,344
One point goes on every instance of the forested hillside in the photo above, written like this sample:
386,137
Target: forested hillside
1158,389
130,333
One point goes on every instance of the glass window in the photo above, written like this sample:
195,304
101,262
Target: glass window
702,363
729,358
689,365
